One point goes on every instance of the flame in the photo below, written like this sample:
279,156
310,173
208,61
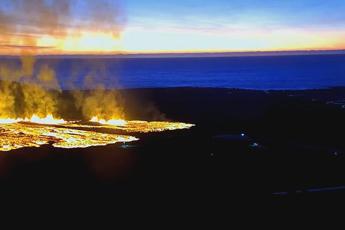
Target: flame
48,120
115,122
10,120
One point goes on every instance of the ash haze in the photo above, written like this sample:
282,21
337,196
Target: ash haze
31,27
181,26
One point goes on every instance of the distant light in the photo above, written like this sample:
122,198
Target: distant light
242,134
254,145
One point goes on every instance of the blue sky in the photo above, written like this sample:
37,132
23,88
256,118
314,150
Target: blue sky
148,26
285,13
235,25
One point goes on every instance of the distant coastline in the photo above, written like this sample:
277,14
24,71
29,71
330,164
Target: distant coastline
197,54
232,54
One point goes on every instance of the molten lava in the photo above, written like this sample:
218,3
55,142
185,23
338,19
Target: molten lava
19,135
140,126
116,122
38,131
30,90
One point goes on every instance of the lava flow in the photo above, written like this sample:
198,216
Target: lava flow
31,91
36,131
137,126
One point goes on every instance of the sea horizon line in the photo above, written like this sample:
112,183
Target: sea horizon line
188,54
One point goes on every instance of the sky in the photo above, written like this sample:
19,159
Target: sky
153,26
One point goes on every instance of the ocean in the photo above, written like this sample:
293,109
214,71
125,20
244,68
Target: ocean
263,73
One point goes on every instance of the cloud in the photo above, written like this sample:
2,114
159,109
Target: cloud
23,23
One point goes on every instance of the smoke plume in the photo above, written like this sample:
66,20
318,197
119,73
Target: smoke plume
30,87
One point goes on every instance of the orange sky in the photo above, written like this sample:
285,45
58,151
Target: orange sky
109,29
146,41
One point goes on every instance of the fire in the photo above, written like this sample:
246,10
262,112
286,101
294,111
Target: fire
9,120
115,122
47,120
31,87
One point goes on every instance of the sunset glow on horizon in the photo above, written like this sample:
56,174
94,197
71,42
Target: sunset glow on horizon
176,27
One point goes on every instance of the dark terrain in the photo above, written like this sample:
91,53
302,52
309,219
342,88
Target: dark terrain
248,146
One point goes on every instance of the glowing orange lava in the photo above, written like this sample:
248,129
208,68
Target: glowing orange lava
137,126
20,135
36,131
116,122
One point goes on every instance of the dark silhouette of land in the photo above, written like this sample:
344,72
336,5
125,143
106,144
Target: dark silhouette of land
247,146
